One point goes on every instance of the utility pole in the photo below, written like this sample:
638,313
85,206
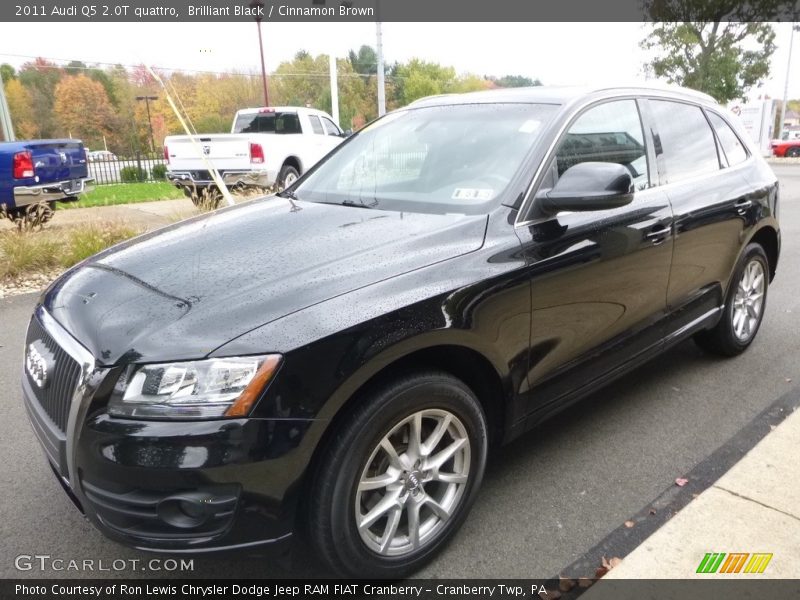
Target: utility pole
381,82
334,89
149,120
786,84
5,116
259,6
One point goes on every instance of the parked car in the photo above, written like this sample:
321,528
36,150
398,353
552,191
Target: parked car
338,360
789,148
266,146
34,174
102,156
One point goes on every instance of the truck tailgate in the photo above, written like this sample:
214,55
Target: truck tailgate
58,160
222,151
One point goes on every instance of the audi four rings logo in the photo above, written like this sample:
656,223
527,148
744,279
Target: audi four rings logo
36,364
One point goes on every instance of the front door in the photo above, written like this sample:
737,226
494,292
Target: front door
598,278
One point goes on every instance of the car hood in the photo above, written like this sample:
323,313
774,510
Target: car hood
183,291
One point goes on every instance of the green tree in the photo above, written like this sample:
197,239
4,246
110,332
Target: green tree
720,47
514,81
365,61
7,72
418,78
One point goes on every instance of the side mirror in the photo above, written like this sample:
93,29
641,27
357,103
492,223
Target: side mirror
588,186
346,134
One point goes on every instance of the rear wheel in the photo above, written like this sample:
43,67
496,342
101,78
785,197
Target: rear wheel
287,176
744,306
793,152
399,477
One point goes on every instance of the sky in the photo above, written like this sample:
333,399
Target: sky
556,53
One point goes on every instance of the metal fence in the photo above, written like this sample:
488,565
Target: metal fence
143,167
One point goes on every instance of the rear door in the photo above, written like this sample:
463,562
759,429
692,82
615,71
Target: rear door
711,200
58,160
598,278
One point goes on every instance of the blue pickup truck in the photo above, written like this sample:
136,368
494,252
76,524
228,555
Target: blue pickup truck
36,173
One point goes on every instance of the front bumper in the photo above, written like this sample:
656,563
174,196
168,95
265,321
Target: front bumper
199,179
25,195
170,486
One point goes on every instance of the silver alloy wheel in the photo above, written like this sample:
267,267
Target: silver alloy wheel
749,300
289,179
413,482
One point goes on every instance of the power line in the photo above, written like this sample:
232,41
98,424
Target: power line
175,70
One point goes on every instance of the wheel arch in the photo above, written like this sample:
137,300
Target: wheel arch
767,238
293,161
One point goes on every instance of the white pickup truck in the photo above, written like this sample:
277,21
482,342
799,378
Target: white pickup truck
266,147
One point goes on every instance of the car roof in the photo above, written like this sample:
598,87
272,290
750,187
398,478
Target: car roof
297,109
562,95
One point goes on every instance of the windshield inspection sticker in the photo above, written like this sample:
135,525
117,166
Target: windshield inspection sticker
472,194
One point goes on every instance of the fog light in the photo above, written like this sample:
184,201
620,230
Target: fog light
185,511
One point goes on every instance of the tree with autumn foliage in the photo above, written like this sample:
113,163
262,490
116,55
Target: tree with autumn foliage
19,105
82,109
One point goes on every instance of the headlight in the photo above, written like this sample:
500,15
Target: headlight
219,387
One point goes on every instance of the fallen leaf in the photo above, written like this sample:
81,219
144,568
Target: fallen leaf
773,427
629,524
599,572
565,584
606,564
585,582
652,511
681,481
615,562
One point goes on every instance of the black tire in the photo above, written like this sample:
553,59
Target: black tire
723,338
793,152
287,171
334,498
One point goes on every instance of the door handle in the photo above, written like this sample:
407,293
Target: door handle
659,235
743,205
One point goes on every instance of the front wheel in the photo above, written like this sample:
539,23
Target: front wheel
793,152
744,306
399,477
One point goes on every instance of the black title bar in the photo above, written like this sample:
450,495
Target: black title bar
134,11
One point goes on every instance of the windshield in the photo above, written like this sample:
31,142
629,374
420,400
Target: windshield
267,122
446,159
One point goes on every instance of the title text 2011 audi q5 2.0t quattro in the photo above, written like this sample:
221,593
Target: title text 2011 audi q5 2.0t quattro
337,360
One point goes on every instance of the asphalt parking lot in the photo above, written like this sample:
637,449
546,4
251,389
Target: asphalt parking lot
546,499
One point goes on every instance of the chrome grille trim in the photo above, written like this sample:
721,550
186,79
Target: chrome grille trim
86,364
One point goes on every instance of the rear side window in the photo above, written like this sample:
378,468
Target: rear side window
685,145
609,132
731,144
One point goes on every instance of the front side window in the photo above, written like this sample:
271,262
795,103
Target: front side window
330,126
686,146
458,158
316,126
609,132
730,142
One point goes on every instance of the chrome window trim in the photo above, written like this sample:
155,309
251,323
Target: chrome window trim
627,95
87,363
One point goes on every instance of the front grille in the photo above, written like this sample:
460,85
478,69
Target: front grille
62,377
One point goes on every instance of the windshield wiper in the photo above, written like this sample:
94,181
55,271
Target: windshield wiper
359,204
